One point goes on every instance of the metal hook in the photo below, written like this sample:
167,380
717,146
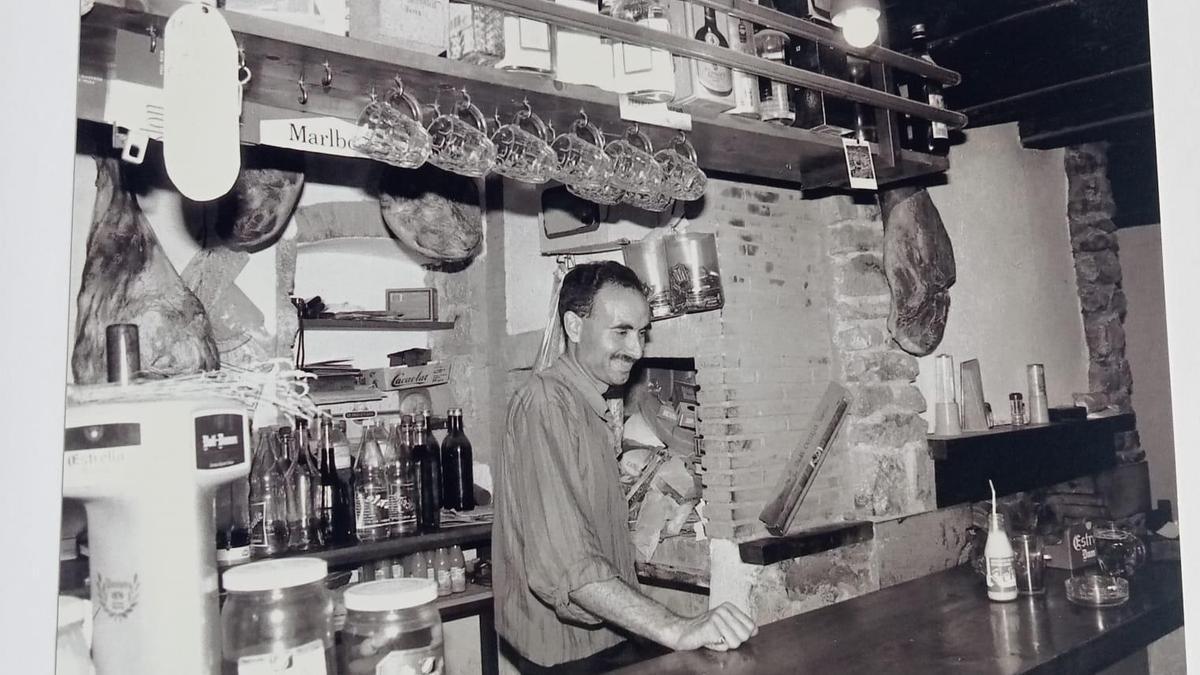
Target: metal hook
372,93
398,83
244,73
583,118
466,102
303,97
526,109
327,80
153,31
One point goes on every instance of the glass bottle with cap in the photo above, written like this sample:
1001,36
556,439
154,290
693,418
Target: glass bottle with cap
277,611
392,626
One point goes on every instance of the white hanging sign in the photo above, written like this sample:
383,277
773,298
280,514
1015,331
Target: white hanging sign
326,135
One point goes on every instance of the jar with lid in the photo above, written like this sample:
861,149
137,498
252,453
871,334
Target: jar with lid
392,626
277,618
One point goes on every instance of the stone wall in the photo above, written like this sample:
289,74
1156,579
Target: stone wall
1090,209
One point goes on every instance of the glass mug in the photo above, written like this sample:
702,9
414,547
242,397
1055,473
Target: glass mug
633,165
522,155
1119,551
682,177
408,144
374,124
651,201
582,163
460,146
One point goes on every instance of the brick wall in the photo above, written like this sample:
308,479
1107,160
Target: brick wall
1090,209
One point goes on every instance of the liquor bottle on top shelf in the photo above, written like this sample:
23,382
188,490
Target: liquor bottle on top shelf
402,481
775,102
304,480
715,78
429,513
268,500
864,115
371,508
458,479
919,134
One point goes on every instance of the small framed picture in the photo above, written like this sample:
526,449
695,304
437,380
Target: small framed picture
413,304
859,164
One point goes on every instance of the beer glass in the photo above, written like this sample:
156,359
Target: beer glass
656,201
582,163
374,128
408,145
1119,551
523,155
682,177
460,144
633,165
1030,563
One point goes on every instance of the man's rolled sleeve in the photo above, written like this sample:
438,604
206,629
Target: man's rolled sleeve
562,554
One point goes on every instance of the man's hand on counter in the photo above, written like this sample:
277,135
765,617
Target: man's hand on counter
725,627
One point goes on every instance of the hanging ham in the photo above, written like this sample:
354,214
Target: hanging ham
918,260
432,212
127,278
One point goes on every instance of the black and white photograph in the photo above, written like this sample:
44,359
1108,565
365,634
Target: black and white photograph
469,337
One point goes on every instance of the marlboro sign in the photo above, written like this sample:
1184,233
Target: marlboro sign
409,377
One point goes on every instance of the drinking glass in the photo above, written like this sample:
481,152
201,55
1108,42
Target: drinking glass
633,165
408,144
460,144
523,155
1119,551
1030,563
656,201
582,163
374,124
682,177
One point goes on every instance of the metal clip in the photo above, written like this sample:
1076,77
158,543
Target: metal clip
153,32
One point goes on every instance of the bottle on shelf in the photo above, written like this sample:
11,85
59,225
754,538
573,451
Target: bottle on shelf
416,566
920,134
304,527
458,480
342,454
268,500
864,115
645,74
775,102
429,477
999,558
458,570
430,566
337,509
402,481
231,505
441,563
372,515
717,79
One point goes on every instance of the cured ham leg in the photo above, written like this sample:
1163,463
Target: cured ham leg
127,278
918,260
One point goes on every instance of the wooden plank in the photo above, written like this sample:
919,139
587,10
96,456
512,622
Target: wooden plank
672,576
770,550
371,324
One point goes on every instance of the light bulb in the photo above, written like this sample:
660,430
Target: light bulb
860,25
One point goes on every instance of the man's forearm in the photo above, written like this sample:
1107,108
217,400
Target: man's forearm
617,603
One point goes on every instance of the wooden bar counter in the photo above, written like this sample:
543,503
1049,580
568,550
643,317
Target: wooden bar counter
944,623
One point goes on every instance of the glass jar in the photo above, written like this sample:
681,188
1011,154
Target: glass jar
392,626
278,618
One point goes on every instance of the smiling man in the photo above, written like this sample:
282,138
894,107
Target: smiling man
565,587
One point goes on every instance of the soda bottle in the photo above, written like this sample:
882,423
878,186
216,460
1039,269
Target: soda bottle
429,477
304,525
458,570
337,507
441,565
268,500
371,509
402,481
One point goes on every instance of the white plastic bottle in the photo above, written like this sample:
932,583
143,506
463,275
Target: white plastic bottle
999,559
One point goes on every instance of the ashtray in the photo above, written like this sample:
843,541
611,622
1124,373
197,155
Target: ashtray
1097,590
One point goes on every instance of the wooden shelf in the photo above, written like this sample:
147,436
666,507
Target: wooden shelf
472,535
374,324
1022,458
278,53
471,602
770,550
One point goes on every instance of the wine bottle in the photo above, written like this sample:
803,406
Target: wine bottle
924,135
458,480
717,79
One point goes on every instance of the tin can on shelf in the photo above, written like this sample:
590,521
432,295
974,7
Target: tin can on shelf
695,275
648,259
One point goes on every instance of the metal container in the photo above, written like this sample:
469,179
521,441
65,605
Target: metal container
694,271
648,259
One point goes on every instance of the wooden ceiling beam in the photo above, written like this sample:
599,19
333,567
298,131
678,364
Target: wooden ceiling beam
1009,108
1078,132
975,31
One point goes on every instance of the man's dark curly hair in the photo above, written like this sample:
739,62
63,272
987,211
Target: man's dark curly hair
581,284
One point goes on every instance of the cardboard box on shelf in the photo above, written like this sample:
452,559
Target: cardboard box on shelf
701,86
408,377
416,25
327,16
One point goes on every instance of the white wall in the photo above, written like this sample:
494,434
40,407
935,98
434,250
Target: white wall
1146,349
1015,300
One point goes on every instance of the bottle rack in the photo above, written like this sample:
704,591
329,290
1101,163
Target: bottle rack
280,55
